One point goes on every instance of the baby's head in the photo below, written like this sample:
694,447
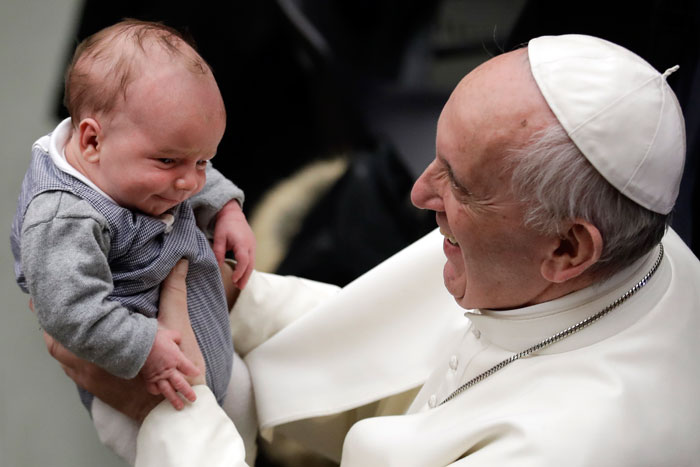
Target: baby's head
146,114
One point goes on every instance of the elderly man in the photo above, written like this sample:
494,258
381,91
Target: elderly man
556,169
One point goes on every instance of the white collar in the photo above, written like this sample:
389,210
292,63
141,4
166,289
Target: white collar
55,146
518,329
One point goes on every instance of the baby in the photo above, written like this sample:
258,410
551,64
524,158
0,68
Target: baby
121,191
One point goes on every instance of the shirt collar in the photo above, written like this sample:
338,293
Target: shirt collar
521,328
55,146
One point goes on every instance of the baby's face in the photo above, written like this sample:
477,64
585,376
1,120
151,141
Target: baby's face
155,148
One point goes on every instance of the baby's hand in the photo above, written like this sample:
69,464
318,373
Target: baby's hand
166,367
232,232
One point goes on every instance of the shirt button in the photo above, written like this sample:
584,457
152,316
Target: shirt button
476,333
432,402
454,362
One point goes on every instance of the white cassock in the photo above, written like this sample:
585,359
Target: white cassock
343,377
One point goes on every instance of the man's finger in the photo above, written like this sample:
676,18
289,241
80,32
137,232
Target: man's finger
64,356
173,298
176,280
73,366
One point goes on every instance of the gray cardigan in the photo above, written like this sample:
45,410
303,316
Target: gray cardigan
94,269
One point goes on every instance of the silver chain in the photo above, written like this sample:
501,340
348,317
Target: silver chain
560,335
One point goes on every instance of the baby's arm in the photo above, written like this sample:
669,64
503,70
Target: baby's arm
166,367
218,208
64,258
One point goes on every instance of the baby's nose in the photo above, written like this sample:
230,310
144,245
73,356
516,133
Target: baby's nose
186,183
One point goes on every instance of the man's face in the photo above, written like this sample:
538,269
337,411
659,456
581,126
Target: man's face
155,146
493,261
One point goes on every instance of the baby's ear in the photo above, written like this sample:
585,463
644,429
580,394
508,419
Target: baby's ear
90,140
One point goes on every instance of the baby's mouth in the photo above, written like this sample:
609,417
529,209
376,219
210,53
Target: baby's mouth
449,237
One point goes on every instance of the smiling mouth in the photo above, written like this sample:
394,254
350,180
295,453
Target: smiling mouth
449,237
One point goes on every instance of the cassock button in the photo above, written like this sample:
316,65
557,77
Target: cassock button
476,333
432,402
454,362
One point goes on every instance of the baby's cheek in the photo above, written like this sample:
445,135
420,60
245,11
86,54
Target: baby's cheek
200,185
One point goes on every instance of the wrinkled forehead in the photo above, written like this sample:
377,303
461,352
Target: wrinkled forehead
496,108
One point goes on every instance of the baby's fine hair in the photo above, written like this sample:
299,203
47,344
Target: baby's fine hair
120,49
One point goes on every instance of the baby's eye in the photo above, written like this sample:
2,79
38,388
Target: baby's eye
202,163
166,160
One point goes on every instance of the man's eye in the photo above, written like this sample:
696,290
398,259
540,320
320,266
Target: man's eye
202,163
454,185
165,160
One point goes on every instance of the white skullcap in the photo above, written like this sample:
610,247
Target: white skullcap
618,110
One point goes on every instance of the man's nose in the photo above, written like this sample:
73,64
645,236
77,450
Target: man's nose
424,194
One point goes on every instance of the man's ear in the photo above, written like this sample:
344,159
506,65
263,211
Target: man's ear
90,139
577,250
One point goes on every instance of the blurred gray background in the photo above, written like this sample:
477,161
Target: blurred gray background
42,422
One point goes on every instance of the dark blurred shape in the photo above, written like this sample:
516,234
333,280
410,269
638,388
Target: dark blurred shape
301,80
287,104
310,79
369,36
665,33
364,218
367,215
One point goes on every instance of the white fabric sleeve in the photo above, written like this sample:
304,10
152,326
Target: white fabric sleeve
269,303
115,430
199,434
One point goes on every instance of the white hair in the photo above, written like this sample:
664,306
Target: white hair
558,184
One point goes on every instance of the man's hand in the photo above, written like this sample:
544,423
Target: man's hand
232,232
167,365
173,315
128,396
